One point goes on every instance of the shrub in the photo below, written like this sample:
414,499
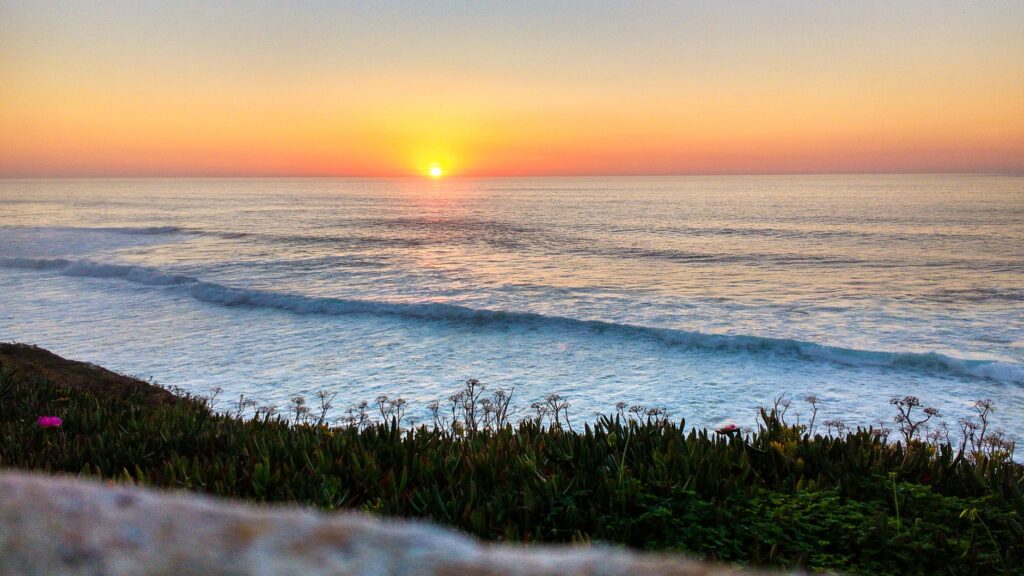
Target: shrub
778,495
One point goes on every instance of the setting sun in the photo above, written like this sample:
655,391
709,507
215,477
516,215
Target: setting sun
436,171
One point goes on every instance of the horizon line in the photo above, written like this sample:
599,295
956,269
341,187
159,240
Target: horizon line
400,176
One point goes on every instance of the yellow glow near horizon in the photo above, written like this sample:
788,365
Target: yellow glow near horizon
354,90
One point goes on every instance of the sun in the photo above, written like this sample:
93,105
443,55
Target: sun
435,171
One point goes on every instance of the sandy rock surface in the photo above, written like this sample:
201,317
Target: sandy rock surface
63,526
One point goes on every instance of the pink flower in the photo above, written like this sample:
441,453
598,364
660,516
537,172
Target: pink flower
728,428
49,422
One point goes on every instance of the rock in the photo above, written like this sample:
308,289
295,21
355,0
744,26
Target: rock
63,526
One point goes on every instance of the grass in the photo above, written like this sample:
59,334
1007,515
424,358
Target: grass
778,496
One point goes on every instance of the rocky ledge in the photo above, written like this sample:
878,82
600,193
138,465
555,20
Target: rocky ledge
64,526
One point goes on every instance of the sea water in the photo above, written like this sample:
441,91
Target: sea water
709,296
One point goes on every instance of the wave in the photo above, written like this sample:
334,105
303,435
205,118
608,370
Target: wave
509,237
214,293
474,225
131,230
140,230
35,263
89,269
505,237
977,294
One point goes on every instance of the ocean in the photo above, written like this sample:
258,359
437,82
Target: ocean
708,296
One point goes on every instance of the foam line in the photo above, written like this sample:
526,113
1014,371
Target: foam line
214,293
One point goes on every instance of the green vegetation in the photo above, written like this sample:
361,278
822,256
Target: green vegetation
777,496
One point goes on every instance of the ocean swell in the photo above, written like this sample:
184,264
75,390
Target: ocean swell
214,293
130,230
141,230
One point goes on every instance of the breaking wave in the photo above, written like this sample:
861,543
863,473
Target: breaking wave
214,293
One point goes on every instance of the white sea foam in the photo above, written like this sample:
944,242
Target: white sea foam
215,293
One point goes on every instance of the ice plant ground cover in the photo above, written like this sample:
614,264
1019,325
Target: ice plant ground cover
776,496
48,422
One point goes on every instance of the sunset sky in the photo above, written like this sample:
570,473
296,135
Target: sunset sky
509,88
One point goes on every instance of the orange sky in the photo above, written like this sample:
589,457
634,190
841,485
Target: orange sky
488,89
